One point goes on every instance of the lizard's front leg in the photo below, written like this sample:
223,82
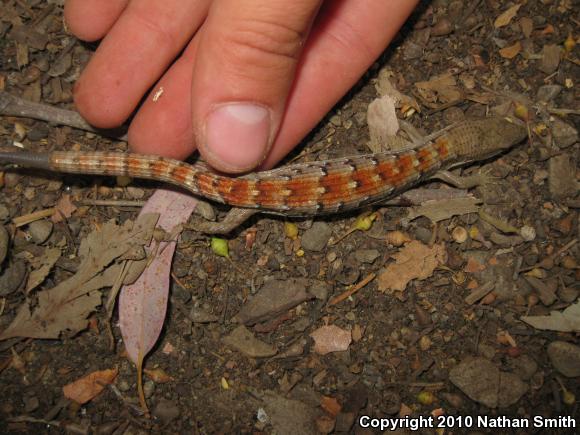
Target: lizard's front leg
233,219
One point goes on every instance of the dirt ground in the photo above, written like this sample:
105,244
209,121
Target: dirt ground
451,342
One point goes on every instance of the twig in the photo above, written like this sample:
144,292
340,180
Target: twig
341,297
31,217
551,258
563,112
111,203
11,105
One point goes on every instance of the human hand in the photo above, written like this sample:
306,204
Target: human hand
243,80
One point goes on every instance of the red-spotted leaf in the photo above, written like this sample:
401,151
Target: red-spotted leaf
142,305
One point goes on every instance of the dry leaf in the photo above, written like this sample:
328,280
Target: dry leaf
244,341
64,209
43,265
506,16
564,321
159,376
527,26
483,382
442,89
168,349
330,338
382,121
87,388
414,261
473,266
67,306
142,305
385,87
330,405
511,51
505,338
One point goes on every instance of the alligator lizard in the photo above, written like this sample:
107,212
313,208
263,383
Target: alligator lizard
302,189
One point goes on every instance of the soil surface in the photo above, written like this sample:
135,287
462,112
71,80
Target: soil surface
326,338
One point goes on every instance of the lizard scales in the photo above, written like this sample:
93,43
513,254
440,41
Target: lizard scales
301,189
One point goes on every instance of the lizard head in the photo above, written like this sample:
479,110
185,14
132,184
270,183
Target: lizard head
487,137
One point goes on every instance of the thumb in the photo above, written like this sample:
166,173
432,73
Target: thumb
244,69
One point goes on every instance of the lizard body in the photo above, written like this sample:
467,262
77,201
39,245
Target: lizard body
302,189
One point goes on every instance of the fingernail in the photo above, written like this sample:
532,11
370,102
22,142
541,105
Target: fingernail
237,136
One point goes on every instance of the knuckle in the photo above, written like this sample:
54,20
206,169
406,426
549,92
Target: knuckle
349,39
155,28
259,42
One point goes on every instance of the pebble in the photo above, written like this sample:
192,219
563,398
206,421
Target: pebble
29,193
166,410
200,315
336,120
528,233
551,54
31,404
547,93
11,179
565,357
148,388
245,342
423,235
442,27
483,382
344,421
38,132
4,242
524,366
319,290
486,350
564,134
316,238
366,255
4,213
40,231
391,402
568,294
301,324
562,176
12,278
123,385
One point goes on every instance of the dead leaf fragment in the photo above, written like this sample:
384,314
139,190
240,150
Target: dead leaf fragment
68,305
64,209
87,388
527,25
276,297
142,305
331,338
414,261
382,121
385,87
473,265
551,55
158,375
42,266
330,405
288,416
439,89
483,382
563,321
505,17
511,51
245,342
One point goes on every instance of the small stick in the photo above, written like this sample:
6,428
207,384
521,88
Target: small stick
31,217
341,297
11,105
